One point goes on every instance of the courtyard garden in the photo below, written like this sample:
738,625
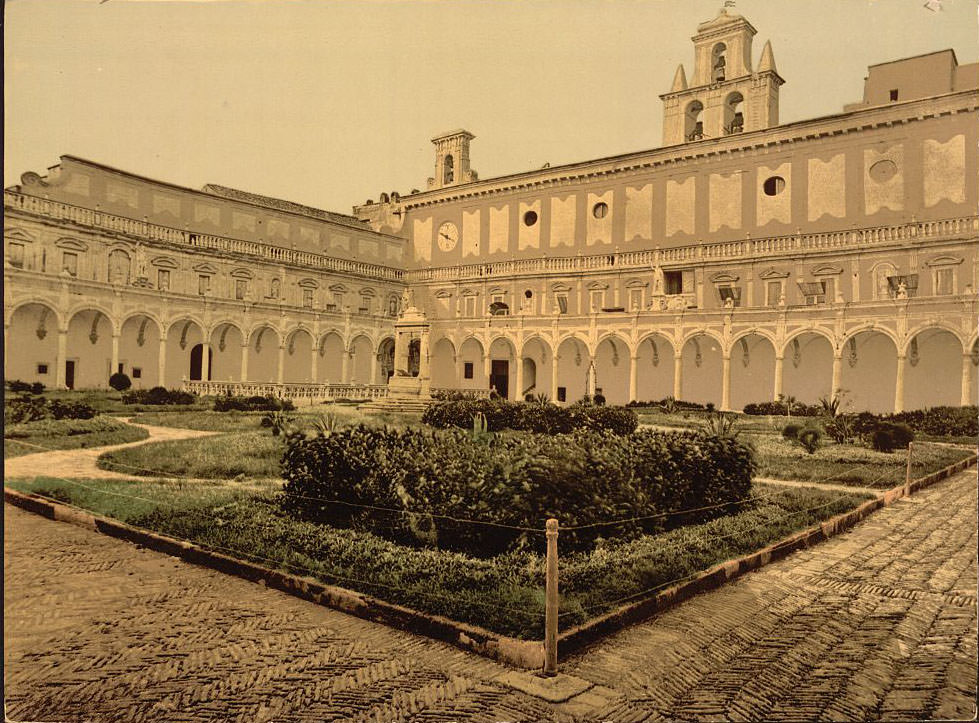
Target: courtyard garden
446,514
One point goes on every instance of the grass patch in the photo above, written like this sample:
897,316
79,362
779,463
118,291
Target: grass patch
25,438
206,421
504,593
849,464
247,454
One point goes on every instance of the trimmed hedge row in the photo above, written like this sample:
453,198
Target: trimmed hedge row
29,409
781,408
515,480
530,417
939,421
252,404
159,396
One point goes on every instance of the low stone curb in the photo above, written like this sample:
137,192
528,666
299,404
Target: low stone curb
591,631
527,654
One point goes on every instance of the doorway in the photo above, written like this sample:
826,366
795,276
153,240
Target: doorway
196,357
70,373
500,377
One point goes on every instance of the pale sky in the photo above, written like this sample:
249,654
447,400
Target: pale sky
329,103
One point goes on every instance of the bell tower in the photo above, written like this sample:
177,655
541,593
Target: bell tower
452,160
725,95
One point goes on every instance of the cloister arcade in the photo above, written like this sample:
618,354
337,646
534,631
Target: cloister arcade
82,348
933,366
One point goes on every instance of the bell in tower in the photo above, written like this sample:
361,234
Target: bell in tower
452,160
726,95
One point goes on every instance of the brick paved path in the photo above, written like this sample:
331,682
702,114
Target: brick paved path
879,623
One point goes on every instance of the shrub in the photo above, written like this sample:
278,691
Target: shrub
783,409
809,439
515,480
840,428
29,409
791,430
18,387
888,436
120,382
159,396
669,405
721,424
252,404
538,417
600,400
277,421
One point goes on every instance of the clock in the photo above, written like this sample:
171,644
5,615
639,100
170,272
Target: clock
448,236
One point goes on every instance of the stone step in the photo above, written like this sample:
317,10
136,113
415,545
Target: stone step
399,405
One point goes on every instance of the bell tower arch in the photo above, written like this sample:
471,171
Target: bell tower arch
452,160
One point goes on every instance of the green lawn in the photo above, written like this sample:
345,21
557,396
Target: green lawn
43,434
206,421
504,594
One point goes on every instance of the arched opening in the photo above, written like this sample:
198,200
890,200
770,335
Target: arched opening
702,367
538,363
385,360
90,349
752,371
33,334
443,365
502,372
448,174
472,374
263,355
298,360
197,363
139,351
654,368
807,368
718,63
869,371
933,370
331,351
694,121
414,357
734,114
612,370
573,365
361,360
226,345
182,336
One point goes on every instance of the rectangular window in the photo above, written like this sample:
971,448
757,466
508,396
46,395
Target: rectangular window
470,306
241,289
163,280
15,254
308,299
42,369
814,292
365,304
829,290
902,287
338,300
773,292
562,303
635,300
597,298
672,282
893,94
203,284
562,394
729,295
944,282
467,370
137,373
69,262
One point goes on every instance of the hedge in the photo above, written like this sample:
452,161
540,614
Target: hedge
29,409
530,417
252,404
515,480
159,396
780,408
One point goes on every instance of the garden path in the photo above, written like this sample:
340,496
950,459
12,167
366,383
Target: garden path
819,485
876,623
81,463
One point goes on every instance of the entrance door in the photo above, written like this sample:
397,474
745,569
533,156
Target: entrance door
70,373
500,377
196,355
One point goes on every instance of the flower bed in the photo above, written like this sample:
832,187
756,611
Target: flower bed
420,479
545,418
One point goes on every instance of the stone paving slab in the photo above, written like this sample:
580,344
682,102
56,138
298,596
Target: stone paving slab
876,624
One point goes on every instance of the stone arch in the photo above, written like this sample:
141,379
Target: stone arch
361,358
807,365
537,360
933,367
573,360
298,357
90,332
183,334
701,363
470,358
612,359
330,349
91,306
752,367
869,369
443,363
139,349
655,355
264,341
32,329
385,359
503,374
226,340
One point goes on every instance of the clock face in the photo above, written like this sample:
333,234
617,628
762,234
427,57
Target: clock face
448,236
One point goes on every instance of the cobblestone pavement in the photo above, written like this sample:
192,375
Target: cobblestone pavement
879,623
80,463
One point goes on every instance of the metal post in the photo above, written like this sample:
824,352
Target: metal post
907,473
550,609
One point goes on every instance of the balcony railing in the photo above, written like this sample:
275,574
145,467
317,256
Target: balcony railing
145,230
308,392
697,253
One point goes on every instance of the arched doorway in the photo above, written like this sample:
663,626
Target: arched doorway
573,362
933,370
752,371
612,370
139,351
655,368
807,368
196,363
33,334
869,371
182,337
702,366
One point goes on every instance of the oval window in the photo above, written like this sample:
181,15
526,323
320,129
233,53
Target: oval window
773,185
600,210
530,218
883,171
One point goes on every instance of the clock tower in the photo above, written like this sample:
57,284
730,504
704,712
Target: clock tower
452,160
